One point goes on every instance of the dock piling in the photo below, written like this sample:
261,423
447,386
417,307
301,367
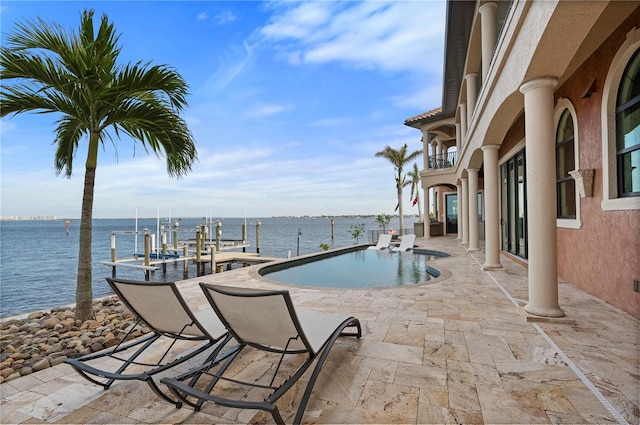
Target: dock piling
213,260
218,234
146,252
244,235
113,246
185,250
258,236
198,250
175,235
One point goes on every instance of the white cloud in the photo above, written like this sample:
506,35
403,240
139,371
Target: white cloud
331,122
392,36
227,72
203,16
267,110
420,96
299,21
7,127
224,18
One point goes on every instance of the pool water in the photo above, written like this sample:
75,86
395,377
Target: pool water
360,268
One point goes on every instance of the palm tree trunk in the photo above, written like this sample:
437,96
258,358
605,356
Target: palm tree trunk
84,291
400,212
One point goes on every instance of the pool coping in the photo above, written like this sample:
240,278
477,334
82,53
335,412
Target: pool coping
254,272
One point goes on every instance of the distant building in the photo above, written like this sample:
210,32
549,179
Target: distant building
536,146
27,217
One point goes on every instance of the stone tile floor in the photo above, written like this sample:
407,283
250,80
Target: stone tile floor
459,349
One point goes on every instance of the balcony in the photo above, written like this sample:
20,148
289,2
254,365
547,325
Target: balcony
442,161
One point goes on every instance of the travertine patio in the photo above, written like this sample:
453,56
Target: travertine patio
457,350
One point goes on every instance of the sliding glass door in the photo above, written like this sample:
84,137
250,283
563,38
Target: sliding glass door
514,205
451,201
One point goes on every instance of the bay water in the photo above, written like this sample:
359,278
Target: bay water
39,259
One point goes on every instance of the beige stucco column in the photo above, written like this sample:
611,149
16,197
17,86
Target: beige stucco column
473,209
434,146
458,136
459,218
440,148
463,203
463,122
491,207
425,149
541,197
489,31
472,93
426,222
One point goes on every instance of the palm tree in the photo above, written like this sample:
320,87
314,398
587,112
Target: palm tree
414,175
76,76
399,158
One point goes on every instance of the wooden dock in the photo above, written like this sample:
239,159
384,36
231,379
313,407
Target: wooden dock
217,252
222,260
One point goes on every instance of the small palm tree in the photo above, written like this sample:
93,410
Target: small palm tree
383,221
356,230
399,158
414,175
76,76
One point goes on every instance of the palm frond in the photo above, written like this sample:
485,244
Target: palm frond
78,76
68,135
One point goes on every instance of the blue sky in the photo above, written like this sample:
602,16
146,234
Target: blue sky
289,102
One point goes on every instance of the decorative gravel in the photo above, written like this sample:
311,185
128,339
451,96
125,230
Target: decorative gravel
42,340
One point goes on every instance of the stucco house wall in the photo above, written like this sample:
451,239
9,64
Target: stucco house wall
603,256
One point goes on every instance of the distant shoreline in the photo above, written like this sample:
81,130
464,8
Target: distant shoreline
54,218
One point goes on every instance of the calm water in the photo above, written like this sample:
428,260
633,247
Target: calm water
359,269
38,260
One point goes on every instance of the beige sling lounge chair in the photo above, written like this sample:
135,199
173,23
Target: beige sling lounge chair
264,320
160,307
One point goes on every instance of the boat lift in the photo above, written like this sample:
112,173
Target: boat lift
202,250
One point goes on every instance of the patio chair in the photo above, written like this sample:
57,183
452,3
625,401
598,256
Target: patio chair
383,242
266,321
406,243
160,307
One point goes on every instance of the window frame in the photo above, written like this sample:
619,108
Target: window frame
611,201
562,105
621,152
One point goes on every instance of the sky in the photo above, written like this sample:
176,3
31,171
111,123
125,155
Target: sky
289,102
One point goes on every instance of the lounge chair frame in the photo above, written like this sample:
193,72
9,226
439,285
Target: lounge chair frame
191,330
299,344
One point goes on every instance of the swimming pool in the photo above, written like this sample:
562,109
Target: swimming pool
356,268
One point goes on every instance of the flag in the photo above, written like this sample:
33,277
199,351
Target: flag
415,201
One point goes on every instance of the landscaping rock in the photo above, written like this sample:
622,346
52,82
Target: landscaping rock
45,339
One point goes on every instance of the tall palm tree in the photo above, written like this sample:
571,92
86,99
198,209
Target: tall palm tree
414,176
75,75
399,158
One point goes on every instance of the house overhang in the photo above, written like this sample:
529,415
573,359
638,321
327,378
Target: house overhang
459,19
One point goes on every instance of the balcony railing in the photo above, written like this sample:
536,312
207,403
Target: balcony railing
442,161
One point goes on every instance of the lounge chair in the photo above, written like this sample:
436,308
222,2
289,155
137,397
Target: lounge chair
160,307
383,242
406,243
266,321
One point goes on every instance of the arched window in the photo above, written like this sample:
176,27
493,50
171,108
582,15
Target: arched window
565,162
628,130
620,131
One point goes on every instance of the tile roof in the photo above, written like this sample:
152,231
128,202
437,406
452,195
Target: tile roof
424,115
